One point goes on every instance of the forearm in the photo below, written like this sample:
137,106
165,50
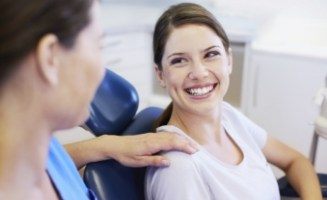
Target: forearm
303,178
88,151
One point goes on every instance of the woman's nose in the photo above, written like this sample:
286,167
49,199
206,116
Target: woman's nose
198,72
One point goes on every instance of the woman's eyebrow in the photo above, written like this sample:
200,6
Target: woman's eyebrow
211,47
175,54
206,49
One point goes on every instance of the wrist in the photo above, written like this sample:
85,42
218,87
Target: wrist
106,146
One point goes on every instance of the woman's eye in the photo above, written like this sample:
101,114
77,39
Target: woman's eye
211,54
177,61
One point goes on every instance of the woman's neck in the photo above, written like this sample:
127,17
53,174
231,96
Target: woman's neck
203,128
24,141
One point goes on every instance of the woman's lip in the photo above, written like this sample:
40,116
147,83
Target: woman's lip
202,96
200,86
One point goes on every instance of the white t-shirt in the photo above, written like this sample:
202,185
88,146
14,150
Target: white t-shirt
201,176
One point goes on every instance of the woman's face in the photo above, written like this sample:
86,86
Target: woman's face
81,71
195,68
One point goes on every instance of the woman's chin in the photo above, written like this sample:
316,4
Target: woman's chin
80,119
85,116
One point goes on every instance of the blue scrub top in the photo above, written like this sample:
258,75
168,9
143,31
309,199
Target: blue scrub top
64,175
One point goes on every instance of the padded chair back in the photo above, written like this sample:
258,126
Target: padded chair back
113,110
114,105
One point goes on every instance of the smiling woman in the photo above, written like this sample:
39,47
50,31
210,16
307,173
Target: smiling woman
193,63
195,71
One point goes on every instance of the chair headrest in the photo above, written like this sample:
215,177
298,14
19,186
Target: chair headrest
114,105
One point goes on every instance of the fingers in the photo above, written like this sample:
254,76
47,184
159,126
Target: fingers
170,141
140,148
143,161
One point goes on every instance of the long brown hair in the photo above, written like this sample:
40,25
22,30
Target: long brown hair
23,23
176,16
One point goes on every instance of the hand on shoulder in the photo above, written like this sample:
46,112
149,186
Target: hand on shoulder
140,150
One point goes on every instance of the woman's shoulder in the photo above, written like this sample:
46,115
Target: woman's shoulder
180,163
178,158
182,173
233,118
230,113
234,115
181,180
227,108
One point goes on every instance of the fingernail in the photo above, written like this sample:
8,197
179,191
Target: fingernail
193,150
194,145
165,162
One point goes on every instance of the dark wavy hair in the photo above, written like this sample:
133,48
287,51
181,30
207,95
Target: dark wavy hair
23,23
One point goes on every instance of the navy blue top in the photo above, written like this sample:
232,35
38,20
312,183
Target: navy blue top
64,175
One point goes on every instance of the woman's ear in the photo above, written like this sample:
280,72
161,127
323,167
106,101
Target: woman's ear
47,58
230,60
159,74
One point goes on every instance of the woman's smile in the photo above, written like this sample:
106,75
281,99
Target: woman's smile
200,91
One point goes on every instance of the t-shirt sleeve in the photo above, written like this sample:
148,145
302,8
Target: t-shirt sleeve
181,180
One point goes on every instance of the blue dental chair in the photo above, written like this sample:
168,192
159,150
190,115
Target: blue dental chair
113,112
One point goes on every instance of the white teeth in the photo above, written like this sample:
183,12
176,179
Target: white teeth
200,91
